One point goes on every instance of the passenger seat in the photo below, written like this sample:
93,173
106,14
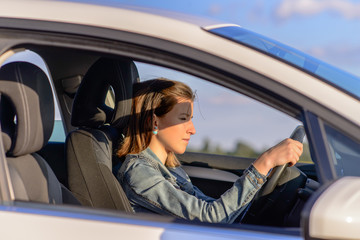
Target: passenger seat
27,119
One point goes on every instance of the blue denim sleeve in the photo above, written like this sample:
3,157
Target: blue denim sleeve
255,177
147,187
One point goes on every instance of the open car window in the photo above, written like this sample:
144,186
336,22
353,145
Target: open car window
227,122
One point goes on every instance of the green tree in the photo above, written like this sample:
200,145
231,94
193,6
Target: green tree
244,150
206,146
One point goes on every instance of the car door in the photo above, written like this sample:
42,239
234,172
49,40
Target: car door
73,49
94,220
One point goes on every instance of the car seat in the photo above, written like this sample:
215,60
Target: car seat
27,119
90,148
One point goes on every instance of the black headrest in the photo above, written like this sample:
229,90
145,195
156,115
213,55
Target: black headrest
89,108
26,108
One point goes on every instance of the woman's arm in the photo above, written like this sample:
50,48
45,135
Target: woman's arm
146,187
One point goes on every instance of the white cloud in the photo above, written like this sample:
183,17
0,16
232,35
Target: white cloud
215,9
289,8
257,12
229,98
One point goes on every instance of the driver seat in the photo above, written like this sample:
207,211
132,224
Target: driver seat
90,148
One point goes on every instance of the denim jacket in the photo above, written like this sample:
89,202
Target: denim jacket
152,187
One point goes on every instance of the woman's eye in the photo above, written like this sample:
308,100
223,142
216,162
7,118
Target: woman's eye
183,119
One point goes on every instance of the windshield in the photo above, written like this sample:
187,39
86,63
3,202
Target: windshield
334,76
344,152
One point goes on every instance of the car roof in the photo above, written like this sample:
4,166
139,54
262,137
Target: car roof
67,11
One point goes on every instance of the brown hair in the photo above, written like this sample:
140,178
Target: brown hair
157,96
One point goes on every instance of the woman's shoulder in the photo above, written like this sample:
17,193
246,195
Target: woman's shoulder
138,169
132,164
136,159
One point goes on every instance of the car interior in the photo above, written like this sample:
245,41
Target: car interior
93,91
25,132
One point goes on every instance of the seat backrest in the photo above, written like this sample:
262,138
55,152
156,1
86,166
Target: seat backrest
27,119
90,148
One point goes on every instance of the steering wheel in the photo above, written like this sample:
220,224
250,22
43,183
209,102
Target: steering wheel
298,134
270,204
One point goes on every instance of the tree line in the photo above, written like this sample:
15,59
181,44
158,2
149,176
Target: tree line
243,149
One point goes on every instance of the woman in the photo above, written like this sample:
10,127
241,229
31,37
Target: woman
160,127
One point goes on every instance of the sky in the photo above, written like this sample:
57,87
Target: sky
325,29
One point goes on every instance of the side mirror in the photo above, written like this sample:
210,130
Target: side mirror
334,211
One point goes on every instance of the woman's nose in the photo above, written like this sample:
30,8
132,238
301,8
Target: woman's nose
191,128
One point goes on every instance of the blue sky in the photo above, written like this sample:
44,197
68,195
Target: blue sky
326,29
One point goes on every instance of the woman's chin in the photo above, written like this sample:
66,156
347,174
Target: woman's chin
180,151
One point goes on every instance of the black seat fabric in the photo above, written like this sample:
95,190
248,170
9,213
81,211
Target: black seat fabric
27,119
90,148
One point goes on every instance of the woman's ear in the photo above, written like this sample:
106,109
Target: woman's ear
155,121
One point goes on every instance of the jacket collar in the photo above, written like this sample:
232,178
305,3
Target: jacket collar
150,154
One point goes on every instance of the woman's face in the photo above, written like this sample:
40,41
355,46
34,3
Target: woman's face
176,127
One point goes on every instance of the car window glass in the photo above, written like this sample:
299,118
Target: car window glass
110,98
227,122
58,134
344,151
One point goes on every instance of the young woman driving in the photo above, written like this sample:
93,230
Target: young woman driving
153,180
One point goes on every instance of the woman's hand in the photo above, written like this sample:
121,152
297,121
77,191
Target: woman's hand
287,151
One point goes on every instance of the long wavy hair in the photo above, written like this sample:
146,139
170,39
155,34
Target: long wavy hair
152,97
